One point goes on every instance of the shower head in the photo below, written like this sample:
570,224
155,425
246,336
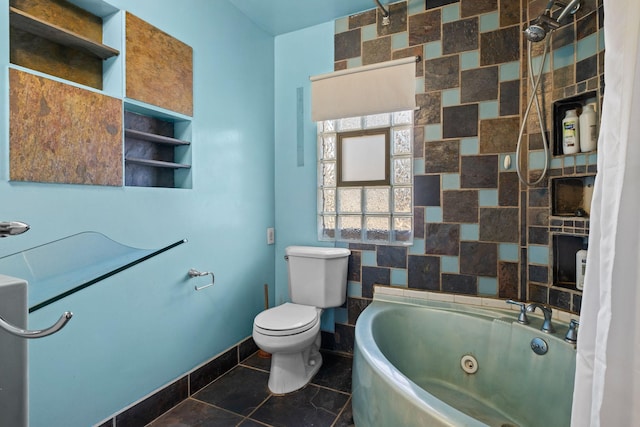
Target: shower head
545,23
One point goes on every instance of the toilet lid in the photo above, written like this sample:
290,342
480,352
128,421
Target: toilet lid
286,319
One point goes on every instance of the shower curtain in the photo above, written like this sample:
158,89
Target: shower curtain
607,384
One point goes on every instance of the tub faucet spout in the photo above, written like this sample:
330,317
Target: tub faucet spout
547,327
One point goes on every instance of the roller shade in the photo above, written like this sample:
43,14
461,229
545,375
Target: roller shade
371,89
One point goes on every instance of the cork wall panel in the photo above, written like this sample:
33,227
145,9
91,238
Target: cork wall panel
63,134
159,67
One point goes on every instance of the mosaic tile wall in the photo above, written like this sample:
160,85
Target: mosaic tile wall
478,231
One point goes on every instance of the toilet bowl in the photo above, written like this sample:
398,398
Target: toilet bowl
291,333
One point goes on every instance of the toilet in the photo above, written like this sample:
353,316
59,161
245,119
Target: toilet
291,331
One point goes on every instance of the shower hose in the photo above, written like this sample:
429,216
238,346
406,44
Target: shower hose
533,98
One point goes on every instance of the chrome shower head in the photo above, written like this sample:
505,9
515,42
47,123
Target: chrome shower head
535,33
545,23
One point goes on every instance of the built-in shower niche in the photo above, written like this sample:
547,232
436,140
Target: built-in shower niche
561,107
564,259
571,196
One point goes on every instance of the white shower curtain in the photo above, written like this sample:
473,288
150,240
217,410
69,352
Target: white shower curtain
607,385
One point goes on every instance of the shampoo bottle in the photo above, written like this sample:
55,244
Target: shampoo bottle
588,130
570,133
581,267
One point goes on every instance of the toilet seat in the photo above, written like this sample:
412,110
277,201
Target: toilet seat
286,319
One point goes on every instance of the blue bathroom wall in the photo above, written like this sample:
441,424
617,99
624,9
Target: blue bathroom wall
143,327
298,55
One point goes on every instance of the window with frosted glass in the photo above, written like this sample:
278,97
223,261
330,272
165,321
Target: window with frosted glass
378,214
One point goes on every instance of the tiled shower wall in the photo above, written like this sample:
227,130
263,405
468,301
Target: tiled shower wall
478,231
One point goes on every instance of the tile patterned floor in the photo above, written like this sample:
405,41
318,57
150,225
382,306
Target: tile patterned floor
241,398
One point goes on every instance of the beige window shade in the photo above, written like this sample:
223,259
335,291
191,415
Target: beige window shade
371,89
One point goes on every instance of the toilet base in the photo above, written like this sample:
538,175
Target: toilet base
292,371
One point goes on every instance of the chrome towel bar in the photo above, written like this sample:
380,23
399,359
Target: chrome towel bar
195,273
23,333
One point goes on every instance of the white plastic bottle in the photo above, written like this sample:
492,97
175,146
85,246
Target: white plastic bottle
588,129
570,133
581,267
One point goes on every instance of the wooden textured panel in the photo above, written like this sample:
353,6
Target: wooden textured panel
63,134
159,67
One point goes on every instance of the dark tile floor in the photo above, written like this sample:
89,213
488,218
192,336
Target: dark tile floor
241,398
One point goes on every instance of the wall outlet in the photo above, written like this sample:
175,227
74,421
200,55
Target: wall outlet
271,236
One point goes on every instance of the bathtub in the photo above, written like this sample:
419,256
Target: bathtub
408,370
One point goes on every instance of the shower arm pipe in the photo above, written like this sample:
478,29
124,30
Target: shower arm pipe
535,82
24,333
385,12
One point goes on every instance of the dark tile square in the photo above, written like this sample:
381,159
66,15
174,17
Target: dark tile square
459,284
347,44
577,303
335,372
442,239
539,235
155,405
586,68
479,258
476,7
509,13
355,264
460,206
376,50
442,156
443,73
500,46
499,135
538,293
355,306
560,299
230,391
479,172
459,36
418,222
397,24
424,272
508,189
346,416
374,276
499,225
362,19
426,190
563,36
344,338
430,105
539,273
194,413
510,98
479,84
424,27
391,256
212,370
431,4
460,121
508,280
311,406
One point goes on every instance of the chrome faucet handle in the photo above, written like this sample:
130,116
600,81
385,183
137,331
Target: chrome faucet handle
547,327
572,334
522,317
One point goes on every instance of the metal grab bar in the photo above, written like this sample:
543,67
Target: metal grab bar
23,333
195,273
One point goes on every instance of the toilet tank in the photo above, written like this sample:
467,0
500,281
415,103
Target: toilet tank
317,276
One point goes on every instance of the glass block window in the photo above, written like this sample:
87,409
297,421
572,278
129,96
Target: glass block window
367,214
